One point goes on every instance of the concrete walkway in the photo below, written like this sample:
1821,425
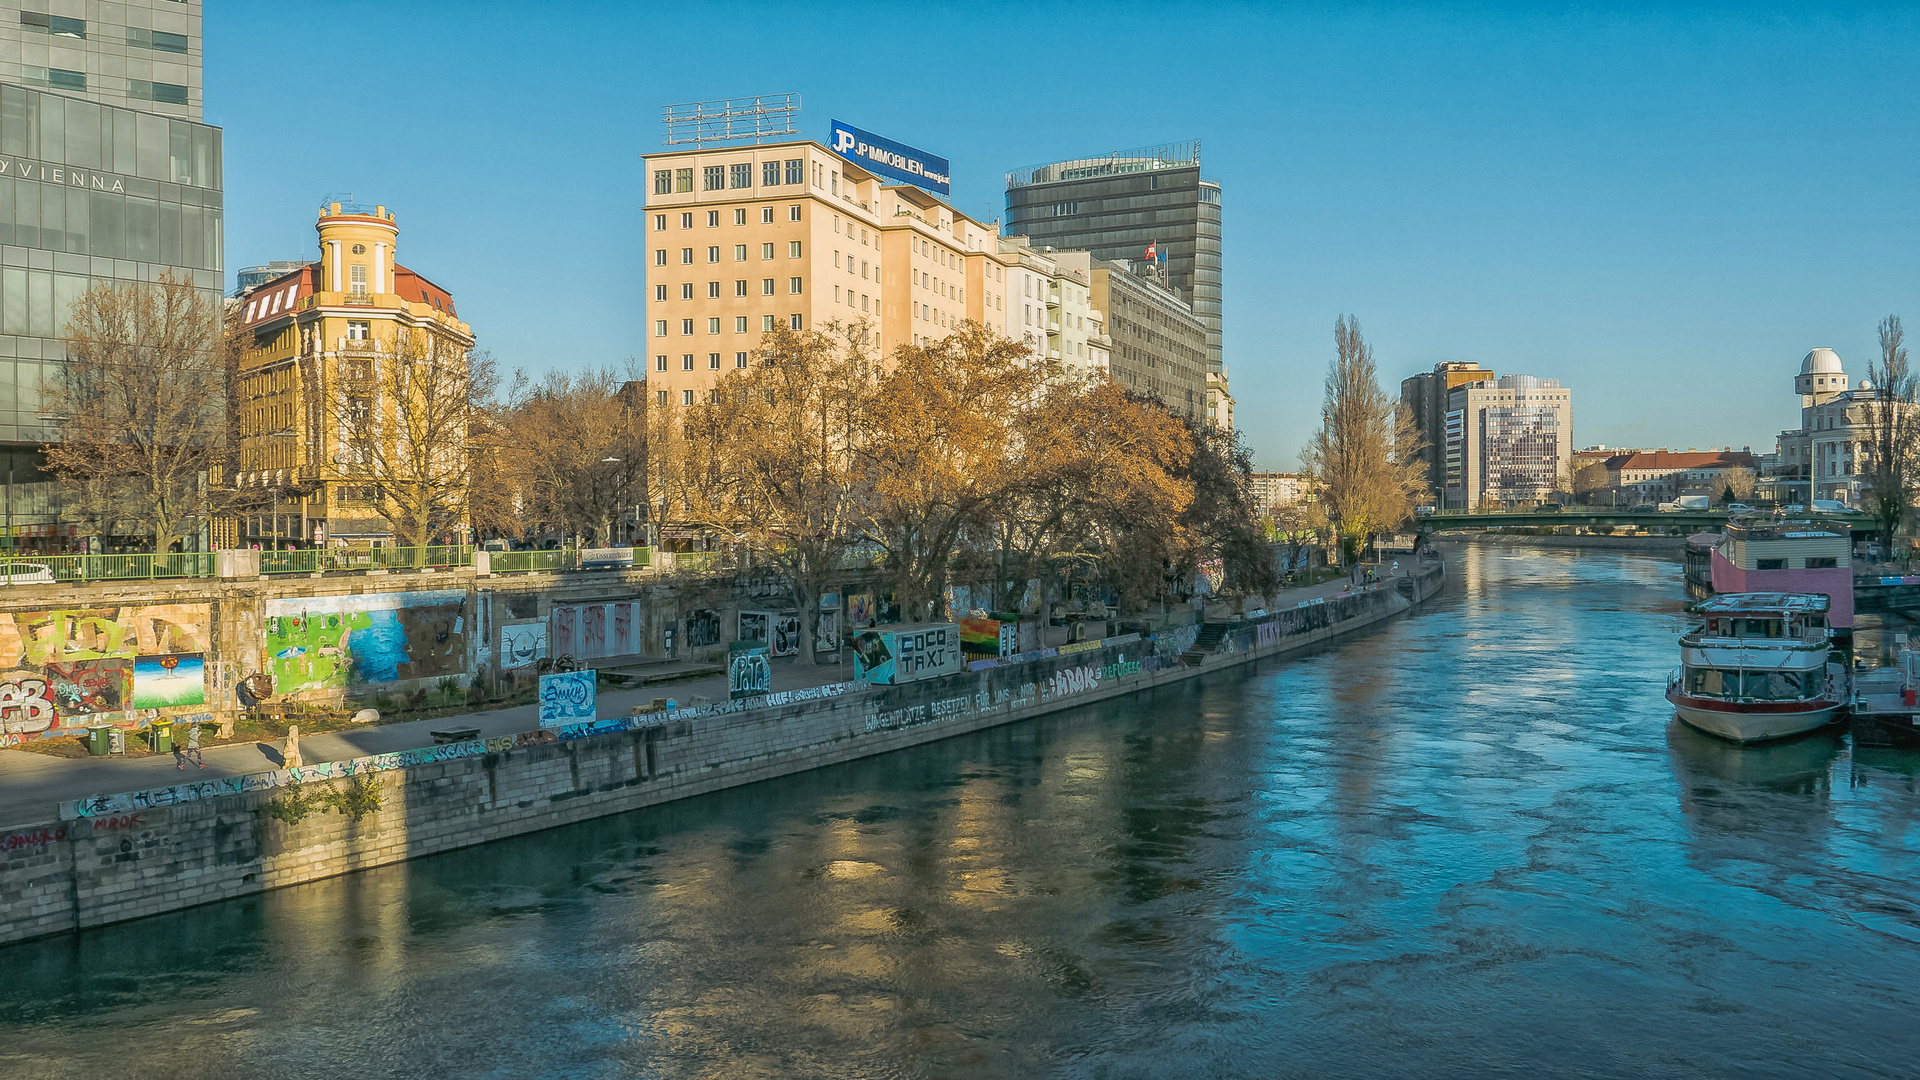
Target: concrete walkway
32,785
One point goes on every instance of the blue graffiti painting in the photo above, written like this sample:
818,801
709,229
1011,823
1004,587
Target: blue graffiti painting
566,698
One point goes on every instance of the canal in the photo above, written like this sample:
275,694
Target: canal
1468,841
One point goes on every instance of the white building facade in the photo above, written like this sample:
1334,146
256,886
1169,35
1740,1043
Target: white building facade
1505,441
1829,455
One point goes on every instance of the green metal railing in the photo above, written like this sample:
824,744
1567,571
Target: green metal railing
695,561
319,560
509,562
54,569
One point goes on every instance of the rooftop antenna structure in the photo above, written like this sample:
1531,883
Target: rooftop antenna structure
758,118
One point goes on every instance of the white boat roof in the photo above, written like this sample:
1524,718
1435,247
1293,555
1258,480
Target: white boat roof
1773,603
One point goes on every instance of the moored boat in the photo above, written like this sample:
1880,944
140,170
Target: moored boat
1758,667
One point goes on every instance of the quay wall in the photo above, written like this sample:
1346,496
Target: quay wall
123,857
1660,545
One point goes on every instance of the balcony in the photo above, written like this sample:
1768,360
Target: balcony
357,296
365,345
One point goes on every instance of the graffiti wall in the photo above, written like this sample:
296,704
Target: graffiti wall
62,670
522,645
334,642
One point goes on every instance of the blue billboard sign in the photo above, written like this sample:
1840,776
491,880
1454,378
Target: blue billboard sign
890,159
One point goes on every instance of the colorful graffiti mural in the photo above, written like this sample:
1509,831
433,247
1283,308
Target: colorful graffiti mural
63,669
330,642
162,682
567,697
522,644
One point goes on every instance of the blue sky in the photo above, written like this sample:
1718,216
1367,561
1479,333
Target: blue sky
1663,206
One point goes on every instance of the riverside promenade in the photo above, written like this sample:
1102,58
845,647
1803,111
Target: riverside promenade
32,785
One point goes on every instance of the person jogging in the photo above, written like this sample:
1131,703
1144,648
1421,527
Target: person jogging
192,752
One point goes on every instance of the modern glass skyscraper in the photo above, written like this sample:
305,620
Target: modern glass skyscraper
105,172
1118,205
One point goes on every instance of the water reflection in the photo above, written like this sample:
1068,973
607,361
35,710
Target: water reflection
1465,842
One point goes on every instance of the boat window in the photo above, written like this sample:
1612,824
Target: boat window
1770,564
1755,628
1709,682
1772,685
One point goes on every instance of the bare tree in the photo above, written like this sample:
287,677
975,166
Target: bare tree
140,409
1737,484
786,475
403,417
578,449
1893,433
1587,480
1365,457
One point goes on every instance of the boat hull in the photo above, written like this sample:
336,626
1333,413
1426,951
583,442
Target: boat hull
1753,722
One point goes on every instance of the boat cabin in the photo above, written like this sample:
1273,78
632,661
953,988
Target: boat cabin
1781,617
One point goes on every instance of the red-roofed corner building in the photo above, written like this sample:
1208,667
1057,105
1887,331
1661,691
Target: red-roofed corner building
305,330
1654,475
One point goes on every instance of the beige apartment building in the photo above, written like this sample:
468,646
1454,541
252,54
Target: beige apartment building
1159,344
741,239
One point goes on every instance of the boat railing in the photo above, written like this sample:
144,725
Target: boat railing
1698,637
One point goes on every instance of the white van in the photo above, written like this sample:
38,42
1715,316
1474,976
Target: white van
1830,506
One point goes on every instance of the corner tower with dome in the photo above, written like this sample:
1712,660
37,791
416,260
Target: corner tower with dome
1826,457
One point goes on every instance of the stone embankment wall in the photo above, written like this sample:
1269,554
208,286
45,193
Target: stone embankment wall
144,853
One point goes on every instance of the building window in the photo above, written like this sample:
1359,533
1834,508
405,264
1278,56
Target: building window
663,185
660,362
766,323
740,287
686,397
359,331
713,361
766,215
659,223
713,254
660,397
769,173
742,175
794,321
793,249
766,251
796,171
61,78
686,220
659,328
740,215
766,286
686,326
713,290
659,256
739,359
713,325
716,177
713,218
359,277
793,213
682,180
1828,563
686,362
793,285
56,25
686,291
739,324
686,256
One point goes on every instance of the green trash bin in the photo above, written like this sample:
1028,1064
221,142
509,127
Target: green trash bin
161,736
97,740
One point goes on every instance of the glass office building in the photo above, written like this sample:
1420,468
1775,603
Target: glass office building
1116,205
105,173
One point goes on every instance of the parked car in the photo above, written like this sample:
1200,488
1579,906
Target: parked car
1423,511
1547,508
1830,506
1693,502
1739,508
1643,508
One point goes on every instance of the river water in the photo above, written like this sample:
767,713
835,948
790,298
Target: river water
1470,841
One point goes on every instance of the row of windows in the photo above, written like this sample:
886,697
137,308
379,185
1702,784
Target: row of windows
62,79
713,217
713,358
108,224
795,286
137,36
739,253
660,326
736,175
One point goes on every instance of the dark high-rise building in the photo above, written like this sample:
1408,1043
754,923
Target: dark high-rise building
1118,205
1425,396
106,173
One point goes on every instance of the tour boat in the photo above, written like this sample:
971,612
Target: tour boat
1758,667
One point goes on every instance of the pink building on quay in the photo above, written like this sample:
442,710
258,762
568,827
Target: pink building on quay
1787,557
